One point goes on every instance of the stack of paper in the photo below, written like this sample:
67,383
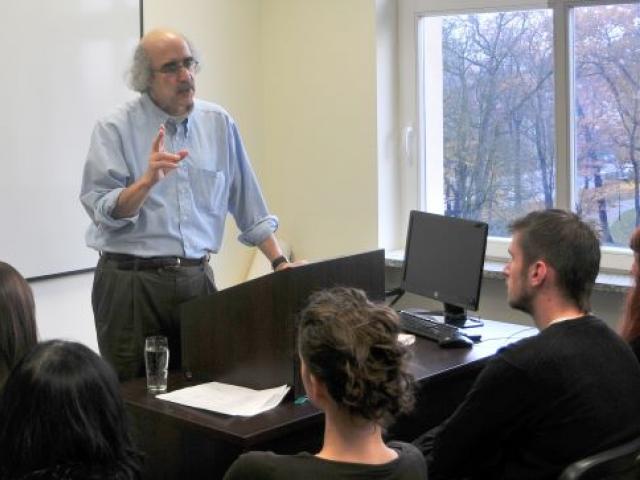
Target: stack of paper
227,399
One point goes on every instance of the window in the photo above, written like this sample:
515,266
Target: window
606,56
524,106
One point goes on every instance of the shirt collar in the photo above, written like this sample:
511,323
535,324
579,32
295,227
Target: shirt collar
564,319
163,117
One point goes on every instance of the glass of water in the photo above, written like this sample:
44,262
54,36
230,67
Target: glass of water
156,361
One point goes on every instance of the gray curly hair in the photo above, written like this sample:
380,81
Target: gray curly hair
140,72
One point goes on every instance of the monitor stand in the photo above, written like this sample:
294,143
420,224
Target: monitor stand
452,315
455,316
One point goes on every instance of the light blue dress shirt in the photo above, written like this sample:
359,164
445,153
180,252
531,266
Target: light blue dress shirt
185,212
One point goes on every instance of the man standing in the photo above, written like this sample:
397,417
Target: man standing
161,175
548,400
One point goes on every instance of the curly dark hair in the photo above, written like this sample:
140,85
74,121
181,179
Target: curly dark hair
351,345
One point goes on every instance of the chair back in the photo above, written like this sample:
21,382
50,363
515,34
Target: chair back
619,463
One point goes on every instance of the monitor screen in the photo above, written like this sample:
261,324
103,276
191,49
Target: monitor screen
444,260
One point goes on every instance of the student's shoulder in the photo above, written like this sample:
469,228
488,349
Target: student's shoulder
250,465
405,449
555,342
262,466
411,460
518,353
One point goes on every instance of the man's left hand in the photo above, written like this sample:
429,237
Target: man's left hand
285,265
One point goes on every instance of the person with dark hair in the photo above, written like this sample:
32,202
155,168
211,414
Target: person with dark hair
62,417
630,324
354,369
161,174
18,331
545,401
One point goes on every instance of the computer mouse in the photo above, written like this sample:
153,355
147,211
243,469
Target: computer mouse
455,341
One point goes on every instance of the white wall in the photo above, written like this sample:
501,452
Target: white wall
390,234
319,94
69,59
63,309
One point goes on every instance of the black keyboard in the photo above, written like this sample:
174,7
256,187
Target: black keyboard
424,326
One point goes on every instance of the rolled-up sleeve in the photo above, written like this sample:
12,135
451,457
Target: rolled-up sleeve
105,176
259,232
246,202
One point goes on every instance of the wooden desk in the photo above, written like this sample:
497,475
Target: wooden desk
183,442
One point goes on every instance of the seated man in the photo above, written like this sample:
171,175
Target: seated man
548,400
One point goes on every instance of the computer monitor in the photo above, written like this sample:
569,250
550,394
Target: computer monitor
444,260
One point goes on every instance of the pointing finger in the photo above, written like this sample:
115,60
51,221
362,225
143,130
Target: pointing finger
158,142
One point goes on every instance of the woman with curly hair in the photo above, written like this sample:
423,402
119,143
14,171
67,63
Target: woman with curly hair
18,331
62,417
354,369
630,324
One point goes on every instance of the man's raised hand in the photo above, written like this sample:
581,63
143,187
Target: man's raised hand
161,163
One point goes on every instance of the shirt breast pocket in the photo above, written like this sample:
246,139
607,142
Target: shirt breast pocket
208,187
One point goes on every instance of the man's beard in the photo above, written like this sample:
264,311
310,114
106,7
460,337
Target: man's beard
523,302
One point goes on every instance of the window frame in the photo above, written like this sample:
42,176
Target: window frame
411,116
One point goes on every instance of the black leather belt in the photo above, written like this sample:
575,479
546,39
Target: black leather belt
132,262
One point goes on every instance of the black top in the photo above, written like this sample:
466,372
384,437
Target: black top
77,471
635,346
542,403
409,465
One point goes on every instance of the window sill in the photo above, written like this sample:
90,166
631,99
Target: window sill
605,282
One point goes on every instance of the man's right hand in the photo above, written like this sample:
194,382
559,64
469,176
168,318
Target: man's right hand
161,163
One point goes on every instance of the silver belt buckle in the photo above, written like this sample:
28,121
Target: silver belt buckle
177,261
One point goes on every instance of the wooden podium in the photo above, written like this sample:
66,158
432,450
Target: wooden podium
246,335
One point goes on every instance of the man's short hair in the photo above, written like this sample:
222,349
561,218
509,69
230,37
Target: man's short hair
567,244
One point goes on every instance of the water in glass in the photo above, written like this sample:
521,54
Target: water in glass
156,359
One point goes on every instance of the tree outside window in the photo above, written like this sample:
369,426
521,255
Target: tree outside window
498,125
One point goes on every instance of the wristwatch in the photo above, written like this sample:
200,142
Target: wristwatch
278,261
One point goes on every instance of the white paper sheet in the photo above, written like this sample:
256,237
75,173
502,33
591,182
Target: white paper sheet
227,399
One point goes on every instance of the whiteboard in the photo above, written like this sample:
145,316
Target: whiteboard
64,68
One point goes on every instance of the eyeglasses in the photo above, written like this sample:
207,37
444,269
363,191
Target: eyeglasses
173,68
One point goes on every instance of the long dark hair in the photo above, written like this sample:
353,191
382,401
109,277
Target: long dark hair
351,345
18,331
61,406
630,324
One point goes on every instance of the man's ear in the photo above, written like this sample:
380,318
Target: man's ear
538,273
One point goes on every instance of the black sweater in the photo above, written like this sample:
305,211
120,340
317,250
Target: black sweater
542,403
268,466
635,346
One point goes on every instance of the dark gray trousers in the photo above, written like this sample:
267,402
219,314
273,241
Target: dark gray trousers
129,305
